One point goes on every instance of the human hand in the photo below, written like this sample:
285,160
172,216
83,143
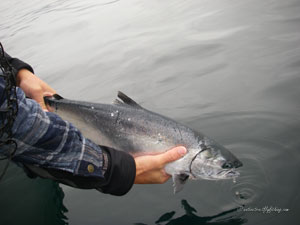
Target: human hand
150,168
34,87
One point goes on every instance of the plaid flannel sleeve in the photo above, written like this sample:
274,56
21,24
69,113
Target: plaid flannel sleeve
53,148
45,140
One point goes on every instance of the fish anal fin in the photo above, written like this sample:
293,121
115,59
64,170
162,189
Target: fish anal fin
178,181
127,100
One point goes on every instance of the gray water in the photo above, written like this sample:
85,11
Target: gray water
227,68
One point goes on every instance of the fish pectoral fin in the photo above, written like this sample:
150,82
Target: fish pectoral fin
178,181
127,100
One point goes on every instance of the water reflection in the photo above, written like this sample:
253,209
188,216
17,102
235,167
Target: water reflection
229,69
30,201
227,217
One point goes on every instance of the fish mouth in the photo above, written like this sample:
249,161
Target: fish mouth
225,174
221,175
229,173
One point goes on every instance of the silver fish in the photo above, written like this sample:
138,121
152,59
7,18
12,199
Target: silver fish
127,126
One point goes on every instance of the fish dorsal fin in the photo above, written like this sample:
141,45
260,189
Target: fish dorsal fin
126,100
117,102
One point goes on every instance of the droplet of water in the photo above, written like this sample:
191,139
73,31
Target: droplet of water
92,107
234,180
112,114
128,119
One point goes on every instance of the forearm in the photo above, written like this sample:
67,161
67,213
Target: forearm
53,148
47,143
117,180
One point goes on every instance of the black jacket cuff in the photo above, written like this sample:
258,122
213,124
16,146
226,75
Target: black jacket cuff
17,64
120,174
118,177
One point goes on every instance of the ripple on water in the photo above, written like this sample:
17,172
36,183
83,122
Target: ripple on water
250,186
267,145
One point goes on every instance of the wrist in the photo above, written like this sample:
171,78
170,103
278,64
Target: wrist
120,174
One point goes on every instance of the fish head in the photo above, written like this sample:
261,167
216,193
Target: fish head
214,162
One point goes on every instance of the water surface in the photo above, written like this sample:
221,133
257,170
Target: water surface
229,69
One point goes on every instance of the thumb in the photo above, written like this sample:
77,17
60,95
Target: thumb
173,154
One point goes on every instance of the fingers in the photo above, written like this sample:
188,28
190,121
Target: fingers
48,94
34,87
159,161
150,168
49,89
173,154
37,95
